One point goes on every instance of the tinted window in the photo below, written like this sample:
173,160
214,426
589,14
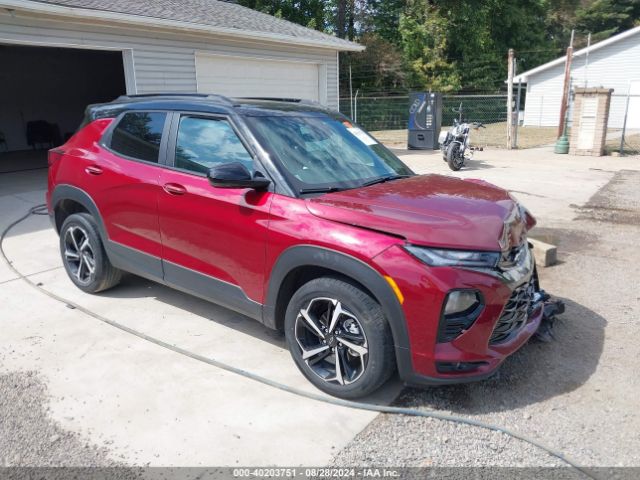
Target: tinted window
205,142
138,135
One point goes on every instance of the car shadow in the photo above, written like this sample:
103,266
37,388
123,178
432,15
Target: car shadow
535,373
133,286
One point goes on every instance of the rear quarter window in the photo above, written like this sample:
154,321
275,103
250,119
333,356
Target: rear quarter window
138,134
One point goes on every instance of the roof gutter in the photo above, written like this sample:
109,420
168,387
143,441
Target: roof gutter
153,22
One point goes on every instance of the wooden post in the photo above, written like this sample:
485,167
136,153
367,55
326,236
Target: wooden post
565,88
510,100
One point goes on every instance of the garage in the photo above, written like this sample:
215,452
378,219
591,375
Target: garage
238,76
57,56
43,93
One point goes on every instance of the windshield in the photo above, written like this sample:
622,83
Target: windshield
321,153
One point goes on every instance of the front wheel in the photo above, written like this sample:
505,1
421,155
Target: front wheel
455,156
339,338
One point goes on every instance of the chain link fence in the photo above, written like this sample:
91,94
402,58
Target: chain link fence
386,116
623,133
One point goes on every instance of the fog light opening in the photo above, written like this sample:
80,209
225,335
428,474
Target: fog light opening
461,308
460,301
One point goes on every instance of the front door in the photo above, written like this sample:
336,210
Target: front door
213,239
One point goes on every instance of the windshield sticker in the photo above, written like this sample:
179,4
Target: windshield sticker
362,136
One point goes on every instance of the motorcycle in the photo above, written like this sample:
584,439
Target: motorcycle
455,144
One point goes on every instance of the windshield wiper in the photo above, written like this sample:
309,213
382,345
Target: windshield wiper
383,179
339,189
319,190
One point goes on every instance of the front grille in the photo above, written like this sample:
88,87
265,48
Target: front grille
515,313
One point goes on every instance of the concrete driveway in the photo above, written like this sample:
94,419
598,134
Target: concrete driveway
146,404
142,404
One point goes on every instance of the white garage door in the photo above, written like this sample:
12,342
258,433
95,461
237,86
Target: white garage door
251,77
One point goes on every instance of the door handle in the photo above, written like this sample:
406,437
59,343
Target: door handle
93,170
174,189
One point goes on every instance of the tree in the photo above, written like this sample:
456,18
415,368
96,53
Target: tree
383,18
378,68
604,18
424,40
447,45
309,13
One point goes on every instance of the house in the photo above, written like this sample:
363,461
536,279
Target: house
612,63
57,56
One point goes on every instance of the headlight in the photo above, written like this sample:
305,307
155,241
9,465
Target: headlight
436,257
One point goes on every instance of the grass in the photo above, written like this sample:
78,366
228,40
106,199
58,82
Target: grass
495,135
631,145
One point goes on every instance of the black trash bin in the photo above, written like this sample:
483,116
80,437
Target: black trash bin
425,119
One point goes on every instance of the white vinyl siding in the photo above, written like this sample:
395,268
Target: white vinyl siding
612,66
159,61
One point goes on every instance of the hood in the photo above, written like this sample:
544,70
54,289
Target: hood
430,210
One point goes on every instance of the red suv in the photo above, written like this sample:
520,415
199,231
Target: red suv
288,213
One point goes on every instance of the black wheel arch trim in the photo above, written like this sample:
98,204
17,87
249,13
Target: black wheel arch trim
68,192
359,271
120,256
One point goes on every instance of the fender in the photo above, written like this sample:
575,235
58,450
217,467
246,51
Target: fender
311,255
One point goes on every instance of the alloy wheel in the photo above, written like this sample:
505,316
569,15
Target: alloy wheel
79,255
332,341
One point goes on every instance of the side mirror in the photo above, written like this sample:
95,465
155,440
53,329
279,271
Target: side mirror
235,175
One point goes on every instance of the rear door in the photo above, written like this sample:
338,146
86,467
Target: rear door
125,177
213,239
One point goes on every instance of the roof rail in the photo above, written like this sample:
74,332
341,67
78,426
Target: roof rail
135,96
302,101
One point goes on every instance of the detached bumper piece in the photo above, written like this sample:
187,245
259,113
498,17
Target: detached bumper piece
551,309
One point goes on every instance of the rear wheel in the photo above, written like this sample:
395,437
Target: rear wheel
83,255
455,156
339,338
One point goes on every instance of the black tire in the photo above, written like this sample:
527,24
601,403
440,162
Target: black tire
455,158
78,227
377,365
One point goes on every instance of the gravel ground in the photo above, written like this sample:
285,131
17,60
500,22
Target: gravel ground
29,437
577,394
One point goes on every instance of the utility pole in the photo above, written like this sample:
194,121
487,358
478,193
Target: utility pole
510,100
517,124
565,88
350,93
586,61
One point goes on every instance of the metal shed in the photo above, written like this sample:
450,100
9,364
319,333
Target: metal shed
612,63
